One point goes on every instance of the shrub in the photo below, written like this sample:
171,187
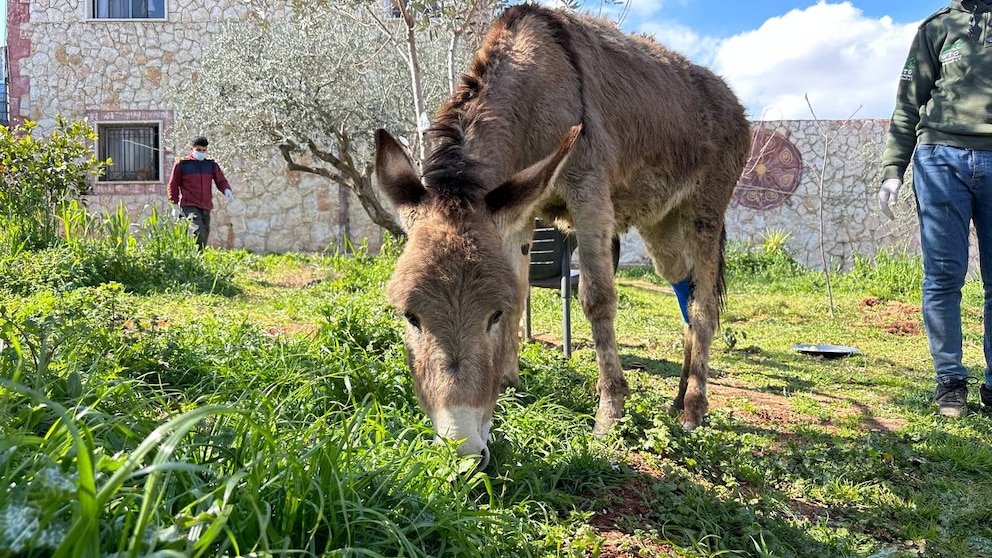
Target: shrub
771,260
39,176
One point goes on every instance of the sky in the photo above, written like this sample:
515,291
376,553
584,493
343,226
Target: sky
845,57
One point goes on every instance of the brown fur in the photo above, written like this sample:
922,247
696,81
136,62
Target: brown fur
661,147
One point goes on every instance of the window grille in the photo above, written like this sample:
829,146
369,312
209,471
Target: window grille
133,150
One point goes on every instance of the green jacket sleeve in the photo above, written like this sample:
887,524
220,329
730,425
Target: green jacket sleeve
915,86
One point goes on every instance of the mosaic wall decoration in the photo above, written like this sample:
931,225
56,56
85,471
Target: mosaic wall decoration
772,173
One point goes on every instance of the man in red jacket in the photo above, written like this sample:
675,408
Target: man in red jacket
189,188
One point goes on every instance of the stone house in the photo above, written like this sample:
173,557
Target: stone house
112,61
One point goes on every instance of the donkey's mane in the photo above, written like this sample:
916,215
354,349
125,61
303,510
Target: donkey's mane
449,170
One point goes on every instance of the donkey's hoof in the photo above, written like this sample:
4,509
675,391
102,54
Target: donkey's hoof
689,425
607,415
690,421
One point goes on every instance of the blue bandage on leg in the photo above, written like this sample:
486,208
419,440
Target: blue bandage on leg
682,293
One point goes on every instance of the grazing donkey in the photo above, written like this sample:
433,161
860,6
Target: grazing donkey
563,116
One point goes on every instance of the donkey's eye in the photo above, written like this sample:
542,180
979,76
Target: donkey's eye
495,319
412,319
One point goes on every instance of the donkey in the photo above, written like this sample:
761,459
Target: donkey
563,116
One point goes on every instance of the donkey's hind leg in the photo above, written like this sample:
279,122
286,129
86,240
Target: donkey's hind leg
691,249
706,294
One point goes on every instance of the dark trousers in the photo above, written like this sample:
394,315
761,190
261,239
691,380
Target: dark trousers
199,223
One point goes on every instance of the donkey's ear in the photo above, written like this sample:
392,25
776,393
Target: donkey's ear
518,195
396,175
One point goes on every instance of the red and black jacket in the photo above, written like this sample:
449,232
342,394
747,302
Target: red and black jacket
189,184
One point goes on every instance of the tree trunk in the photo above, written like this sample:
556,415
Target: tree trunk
417,88
370,201
345,172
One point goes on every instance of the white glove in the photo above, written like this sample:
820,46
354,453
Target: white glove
888,194
228,193
175,211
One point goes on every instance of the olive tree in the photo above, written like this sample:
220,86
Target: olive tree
314,80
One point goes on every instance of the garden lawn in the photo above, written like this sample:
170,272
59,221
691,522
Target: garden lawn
267,409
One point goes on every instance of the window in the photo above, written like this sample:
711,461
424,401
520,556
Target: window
4,117
128,9
133,150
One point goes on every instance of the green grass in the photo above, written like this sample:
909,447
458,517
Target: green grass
265,407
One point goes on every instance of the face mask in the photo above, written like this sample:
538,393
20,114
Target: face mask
199,155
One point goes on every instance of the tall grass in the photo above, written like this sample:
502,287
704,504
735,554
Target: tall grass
277,418
155,254
316,457
888,276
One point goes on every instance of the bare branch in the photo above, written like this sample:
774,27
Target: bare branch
821,179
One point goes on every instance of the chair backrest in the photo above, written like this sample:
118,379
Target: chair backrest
550,251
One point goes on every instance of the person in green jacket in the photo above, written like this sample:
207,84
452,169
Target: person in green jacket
944,111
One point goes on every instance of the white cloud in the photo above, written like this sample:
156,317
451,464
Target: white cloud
683,40
831,52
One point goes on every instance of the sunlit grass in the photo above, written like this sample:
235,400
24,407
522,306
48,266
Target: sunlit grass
276,416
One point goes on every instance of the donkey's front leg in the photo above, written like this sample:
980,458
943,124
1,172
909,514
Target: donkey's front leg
598,297
516,245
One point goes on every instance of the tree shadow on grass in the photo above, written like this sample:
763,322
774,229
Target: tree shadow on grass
776,366
636,510
651,512
652,366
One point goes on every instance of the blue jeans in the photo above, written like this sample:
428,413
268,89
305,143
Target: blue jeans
953,188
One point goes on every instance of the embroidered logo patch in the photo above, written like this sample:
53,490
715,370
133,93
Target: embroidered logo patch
952,52
909,69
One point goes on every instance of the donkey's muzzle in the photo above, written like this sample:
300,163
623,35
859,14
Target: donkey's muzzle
468,426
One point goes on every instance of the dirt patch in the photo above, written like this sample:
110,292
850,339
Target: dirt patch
903,328
627,507
773,412
810,511
896,318
297,278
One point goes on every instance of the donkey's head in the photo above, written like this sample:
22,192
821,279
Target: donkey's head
457,285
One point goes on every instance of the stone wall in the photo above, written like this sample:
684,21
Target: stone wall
70,63
814,181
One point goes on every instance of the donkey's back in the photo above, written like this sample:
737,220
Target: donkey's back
655,108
